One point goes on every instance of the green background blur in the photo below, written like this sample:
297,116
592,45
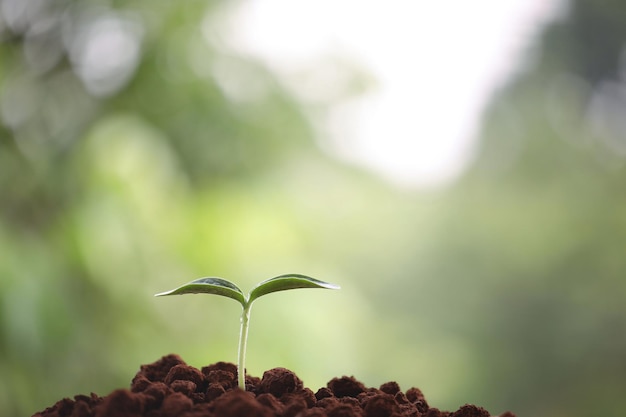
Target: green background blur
504,290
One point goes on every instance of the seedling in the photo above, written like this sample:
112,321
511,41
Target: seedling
225,288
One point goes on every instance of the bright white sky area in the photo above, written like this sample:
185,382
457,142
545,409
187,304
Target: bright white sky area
434,65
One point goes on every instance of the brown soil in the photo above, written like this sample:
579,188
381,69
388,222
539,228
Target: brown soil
171,388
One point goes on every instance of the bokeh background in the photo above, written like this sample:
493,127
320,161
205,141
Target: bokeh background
139,149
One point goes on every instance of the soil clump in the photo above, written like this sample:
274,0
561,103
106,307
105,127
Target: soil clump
171,388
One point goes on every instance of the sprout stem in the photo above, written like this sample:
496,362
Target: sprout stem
243,341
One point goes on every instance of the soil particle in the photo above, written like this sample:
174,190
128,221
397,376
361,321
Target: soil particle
214,391
184,373
121,403
381,405
171,388
280,381
390,388
345,387
470,411
415,396
221,373
237,403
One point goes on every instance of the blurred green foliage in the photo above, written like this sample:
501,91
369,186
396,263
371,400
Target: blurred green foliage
183,159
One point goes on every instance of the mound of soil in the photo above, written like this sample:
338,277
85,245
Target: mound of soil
171,388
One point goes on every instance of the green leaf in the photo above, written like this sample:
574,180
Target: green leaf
287,282
210,285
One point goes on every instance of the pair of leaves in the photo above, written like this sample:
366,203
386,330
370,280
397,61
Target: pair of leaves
225,288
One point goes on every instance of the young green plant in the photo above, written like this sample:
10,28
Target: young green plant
225,288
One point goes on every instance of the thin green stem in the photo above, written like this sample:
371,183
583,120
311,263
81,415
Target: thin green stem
243,341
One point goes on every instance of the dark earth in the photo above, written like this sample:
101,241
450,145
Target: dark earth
171,388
